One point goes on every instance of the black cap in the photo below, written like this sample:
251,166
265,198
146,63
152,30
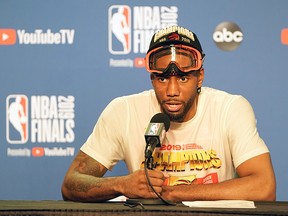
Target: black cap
175,35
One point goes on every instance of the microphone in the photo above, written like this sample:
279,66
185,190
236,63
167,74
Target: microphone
154,136
155,133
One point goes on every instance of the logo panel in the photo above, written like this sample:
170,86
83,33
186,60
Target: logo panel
17,119
7,36
284,36
139,62
125,39
38,152
119,29
228,36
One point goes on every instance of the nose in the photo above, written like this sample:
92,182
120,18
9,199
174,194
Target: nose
173,87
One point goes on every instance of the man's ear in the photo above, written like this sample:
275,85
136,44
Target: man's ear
201,77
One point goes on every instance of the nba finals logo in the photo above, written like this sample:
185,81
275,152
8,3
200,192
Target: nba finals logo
16,119
119,29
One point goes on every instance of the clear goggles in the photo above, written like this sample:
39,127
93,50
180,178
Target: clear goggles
186,58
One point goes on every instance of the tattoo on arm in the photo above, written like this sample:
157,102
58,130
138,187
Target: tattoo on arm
87,173
89,166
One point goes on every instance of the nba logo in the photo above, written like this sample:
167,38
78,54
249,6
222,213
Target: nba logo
119,29
154,129
17,119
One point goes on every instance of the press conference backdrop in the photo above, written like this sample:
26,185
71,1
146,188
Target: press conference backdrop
62,62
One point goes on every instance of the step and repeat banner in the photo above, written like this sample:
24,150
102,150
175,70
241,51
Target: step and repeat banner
62,62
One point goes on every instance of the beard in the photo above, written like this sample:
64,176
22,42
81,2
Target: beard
179,116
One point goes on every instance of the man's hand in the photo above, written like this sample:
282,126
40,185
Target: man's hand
136,184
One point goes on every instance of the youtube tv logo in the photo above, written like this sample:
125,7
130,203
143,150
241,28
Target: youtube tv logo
7,36
38,152
139,62
284,36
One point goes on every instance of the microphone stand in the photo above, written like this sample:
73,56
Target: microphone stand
150,163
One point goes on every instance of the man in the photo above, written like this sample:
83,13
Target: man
211,140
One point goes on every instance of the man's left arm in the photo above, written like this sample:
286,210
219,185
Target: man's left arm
256,182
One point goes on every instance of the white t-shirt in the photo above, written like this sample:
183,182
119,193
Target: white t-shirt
205,149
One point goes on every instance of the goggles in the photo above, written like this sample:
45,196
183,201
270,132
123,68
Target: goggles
184,57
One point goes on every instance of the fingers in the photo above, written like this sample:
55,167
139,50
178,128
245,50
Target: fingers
156,179
155,174
137,185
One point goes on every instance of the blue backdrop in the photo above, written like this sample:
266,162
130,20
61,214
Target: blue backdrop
63,61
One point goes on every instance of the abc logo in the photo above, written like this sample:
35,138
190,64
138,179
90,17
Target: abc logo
228,36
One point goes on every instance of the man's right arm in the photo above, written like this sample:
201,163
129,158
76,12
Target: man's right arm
84,182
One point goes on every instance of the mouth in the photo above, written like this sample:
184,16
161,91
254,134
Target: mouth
173,106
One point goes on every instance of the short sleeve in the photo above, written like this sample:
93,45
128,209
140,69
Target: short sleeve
244,139
105,142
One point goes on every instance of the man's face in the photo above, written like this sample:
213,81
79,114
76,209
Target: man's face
177,94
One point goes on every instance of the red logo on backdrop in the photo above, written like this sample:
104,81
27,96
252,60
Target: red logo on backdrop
7,36
139,62
17,119
38,152
284,36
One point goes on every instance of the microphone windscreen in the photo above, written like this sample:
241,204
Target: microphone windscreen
161,118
